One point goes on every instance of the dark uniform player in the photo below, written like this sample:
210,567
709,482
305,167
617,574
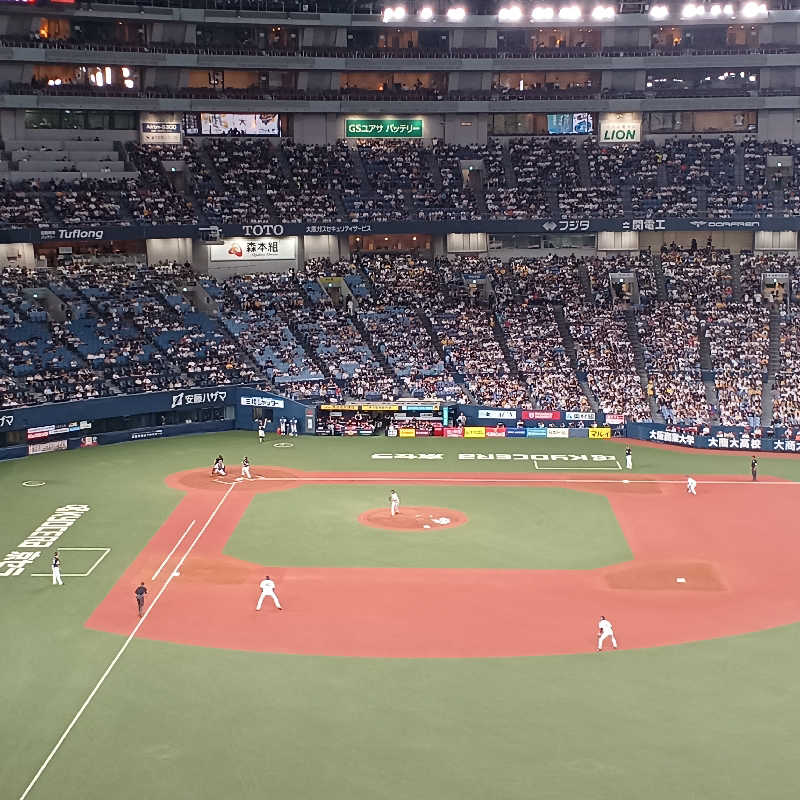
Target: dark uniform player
754,468
140,593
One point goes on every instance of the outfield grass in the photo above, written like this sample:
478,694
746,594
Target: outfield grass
710,720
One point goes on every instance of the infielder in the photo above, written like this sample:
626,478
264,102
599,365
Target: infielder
691,485
628,458
606,630
262,431
394,503
57,570
219,467
267,587
246,469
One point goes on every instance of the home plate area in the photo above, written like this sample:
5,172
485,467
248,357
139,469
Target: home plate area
413,518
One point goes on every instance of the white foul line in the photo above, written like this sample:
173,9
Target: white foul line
155,574
408,477
123,648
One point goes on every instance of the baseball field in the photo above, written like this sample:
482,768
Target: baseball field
446,652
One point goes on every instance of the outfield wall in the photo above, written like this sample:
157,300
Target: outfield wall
107,420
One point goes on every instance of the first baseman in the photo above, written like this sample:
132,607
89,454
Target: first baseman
628,458
246,468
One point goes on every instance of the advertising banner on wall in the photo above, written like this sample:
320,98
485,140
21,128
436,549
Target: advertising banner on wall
245,124
545,416
259,249
599,433
383,129
536,433
474,432
497,413
620,127
575,416
557,433
160,128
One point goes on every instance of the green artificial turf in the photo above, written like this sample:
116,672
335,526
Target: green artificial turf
712,720
508,528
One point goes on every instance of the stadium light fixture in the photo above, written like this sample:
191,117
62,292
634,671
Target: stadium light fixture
752,9
457,14
690,11
659,12
570,13
542,14
425,14
728,11
510,14
600,13
715,10
397,14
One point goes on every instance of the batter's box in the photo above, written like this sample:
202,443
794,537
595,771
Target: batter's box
569,465
86,559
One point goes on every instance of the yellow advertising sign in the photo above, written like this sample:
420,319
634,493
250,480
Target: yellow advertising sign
379,407
475,432
339,408
407,433
599,433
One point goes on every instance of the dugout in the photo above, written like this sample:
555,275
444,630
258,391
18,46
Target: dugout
404,417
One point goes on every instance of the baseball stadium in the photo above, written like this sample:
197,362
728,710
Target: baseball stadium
399,401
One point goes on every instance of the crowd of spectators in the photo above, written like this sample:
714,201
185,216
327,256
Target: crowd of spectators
738,335
670,335
605,356
251,179
466,328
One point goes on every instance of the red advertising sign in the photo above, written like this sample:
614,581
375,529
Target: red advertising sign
548,416
615,419
454,433
496,433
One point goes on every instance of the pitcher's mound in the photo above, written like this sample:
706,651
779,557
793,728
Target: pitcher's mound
413,518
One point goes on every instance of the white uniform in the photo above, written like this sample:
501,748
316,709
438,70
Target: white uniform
628,461
267,590
691,485
606,630
57,572
394,501
261,433
246,469
219,468
293,425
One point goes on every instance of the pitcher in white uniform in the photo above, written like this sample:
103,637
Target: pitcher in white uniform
267,587
394,502
606,630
